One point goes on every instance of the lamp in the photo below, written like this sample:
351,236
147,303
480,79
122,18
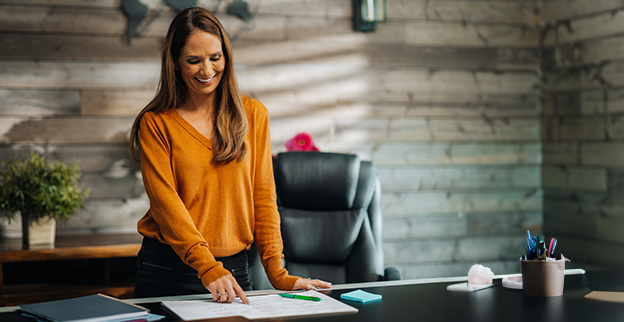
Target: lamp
367,13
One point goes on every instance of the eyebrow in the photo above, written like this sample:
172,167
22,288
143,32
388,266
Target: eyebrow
195,56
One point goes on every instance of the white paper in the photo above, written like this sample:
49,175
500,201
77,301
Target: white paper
465,287
261,307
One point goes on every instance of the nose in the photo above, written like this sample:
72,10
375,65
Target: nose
206,67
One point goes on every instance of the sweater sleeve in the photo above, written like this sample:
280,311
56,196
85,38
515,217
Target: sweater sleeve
171,219
267,220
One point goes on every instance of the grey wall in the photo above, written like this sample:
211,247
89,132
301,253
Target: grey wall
445,97
583,129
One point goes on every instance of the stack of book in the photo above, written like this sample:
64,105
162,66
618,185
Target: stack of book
92,308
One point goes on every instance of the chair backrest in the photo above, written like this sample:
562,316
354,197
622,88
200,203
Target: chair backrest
330,211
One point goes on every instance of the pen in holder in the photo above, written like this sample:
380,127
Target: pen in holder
543,278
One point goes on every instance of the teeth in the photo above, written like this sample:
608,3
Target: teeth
204,80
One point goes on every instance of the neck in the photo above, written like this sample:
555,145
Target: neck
199,103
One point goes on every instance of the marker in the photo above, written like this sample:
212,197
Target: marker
550,247
300,297
554,244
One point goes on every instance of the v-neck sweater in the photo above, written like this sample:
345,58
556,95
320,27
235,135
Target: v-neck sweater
205,210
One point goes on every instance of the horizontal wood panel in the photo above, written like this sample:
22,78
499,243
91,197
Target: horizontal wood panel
39,102
403,129
606,24
396,103
590,52
585,102
107,215
415,203
365,54
464,130
111,4
275,27
467,34
55,19
113,185
442,153
463,249
561,154
592,226
100,216
583,203
574,178
471,11
357,79
115,48
615,127
111,159
566,9
602,154
489,10
282,78
574,128
609,74
453,225
64,130
114,103
74,75
452,177
81,47
576,103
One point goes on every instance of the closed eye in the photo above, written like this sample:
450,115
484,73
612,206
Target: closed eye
215,58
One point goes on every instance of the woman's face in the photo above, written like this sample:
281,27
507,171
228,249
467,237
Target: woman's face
201,63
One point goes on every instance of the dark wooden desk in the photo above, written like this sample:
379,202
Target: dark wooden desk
76,265
432,302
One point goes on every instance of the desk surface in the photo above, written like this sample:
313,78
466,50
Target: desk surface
432,302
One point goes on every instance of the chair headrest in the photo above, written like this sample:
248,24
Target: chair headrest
316,180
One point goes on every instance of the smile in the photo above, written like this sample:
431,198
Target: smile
205,81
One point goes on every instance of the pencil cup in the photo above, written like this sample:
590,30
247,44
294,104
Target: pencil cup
542,278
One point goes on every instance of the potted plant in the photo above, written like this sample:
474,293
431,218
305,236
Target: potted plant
41,193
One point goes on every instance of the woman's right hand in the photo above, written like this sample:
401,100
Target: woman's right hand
225,289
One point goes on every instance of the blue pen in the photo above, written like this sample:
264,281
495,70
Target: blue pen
529,245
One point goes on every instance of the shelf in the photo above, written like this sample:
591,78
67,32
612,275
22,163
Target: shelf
76,265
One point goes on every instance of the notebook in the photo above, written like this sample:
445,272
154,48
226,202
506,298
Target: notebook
91,308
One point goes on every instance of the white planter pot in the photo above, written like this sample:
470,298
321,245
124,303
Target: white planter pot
41,232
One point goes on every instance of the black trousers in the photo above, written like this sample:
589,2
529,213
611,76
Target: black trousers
160,272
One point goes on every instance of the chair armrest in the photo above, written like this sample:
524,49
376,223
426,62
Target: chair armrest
392,274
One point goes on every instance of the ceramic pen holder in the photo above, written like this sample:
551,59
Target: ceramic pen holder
542,278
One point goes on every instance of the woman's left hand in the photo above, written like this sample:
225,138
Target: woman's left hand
308,284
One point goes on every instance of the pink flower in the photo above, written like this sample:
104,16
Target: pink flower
301,142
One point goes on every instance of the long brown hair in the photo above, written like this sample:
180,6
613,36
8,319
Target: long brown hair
230,121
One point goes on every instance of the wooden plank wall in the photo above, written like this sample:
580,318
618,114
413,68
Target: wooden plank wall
444,97
583,130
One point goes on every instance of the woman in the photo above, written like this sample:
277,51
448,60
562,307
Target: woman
205,157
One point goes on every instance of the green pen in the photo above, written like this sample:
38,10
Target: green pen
300,297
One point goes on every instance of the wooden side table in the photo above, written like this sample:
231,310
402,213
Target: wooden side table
76,265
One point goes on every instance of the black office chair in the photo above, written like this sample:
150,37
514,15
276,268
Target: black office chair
331,220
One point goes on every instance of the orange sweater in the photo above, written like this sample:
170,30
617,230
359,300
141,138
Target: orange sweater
203,210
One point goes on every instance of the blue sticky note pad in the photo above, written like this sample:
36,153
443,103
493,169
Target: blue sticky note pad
360,296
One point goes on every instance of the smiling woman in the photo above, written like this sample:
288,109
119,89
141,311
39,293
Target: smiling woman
205,157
